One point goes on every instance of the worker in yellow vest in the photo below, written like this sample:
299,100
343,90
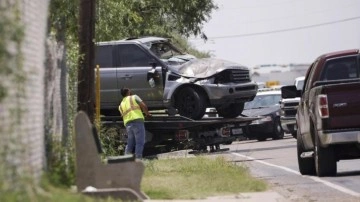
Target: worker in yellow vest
131,108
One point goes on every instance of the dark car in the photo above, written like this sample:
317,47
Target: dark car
266,105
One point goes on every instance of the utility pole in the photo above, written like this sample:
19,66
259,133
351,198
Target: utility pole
86,72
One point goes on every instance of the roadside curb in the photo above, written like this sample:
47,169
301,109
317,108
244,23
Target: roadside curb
268,196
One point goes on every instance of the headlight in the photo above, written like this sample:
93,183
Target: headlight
282,113
206,81
266,118
282,105
262,120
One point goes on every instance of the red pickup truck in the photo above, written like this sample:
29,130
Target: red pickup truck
328,116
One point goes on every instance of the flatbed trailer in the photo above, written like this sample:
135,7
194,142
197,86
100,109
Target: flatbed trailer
166,133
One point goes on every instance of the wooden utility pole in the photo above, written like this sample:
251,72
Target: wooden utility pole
86,74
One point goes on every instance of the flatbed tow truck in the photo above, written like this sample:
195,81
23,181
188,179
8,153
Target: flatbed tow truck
165,133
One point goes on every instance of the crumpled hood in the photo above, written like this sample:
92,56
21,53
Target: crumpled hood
178,59
260,112
205,67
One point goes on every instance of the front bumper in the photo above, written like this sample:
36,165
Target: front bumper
288,124
230,93
339,137
260,129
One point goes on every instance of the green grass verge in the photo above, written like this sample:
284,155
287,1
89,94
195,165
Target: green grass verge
180,178
197,178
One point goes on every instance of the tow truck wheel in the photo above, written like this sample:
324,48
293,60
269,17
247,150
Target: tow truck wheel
190,103
278,131
325,162
306,165
231,110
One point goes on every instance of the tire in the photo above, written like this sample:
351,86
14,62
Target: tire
231,110
190,103
261,139
306,165
278,131
325,161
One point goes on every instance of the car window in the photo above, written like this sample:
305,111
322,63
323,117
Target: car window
261,101
164,50
103,56
343,68
308,76
130,55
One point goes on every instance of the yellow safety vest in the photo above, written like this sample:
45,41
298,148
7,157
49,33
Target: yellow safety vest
130,109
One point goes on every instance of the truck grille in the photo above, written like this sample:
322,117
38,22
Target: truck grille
240,75
291,112
290,108
291,104
233,75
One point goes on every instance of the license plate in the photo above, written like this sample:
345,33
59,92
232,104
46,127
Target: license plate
237,131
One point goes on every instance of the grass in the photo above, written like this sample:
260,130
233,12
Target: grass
196,178
180,178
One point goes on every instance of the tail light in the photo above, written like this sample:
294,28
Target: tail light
182,135
323,106
225,132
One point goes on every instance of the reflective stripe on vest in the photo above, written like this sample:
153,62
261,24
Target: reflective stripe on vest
132,106
133,112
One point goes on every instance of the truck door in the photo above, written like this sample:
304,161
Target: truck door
109,95
133,64
303,118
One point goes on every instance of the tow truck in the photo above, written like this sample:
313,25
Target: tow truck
166,133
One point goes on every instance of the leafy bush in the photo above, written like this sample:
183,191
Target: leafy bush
61,165
113,140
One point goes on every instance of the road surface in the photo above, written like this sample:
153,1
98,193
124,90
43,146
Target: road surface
275,161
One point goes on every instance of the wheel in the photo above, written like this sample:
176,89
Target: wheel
231,110
190,103
325,161
261,139
306,165
278,131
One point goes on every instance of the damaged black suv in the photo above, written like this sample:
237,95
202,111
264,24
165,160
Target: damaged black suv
166,78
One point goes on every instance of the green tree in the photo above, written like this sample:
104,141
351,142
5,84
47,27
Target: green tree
129,18
115,19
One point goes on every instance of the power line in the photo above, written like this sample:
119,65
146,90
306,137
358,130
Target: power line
285,30
260,6
288,17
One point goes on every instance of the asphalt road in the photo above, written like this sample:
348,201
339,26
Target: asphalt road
275,162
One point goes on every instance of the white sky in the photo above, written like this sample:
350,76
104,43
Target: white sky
253,32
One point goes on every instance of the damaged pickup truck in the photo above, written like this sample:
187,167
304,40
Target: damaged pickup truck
166,78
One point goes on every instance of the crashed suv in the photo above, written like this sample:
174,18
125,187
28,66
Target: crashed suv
166,78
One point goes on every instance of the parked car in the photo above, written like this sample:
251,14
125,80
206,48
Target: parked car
210,112
169,79
328,127
289,107
266,104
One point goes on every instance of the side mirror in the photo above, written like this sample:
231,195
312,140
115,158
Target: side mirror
153,64
290,92
153,75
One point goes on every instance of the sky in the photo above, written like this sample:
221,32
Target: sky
255,32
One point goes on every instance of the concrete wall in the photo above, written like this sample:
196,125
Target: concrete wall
22,111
